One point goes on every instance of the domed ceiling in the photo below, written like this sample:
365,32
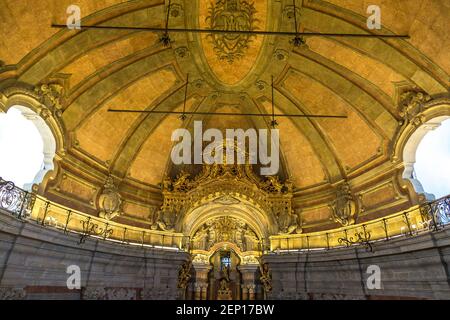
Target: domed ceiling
130,69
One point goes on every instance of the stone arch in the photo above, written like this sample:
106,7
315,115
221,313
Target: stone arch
435,112
261,222
47,122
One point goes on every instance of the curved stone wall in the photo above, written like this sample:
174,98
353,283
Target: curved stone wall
34,262
410,268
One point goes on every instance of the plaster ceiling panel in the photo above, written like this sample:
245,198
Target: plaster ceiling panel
149,166
372,70
303,164
353,139
232,57
23,30
103,56
426,21
227,122
102,133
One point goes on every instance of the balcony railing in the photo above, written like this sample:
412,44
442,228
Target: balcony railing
427,217
29,206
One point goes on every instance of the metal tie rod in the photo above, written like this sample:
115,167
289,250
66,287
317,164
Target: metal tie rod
230,114
251,32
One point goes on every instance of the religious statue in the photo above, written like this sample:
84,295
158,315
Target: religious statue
265,278
201,237
251,240
165,220
287,222
184,275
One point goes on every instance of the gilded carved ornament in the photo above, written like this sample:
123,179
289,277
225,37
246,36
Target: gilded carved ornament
265,277
51,96
411,107
231,15
184,275
219,183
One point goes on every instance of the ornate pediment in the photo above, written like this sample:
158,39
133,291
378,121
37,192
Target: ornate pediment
228,185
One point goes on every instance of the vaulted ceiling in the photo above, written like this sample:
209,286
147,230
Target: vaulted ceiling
128,69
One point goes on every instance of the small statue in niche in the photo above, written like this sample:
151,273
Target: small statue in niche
287,222
251,240
344,208
265,278
110,201
165,220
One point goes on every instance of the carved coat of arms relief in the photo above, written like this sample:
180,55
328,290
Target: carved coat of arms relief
233,15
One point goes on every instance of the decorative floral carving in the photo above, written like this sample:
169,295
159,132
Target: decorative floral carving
261,85
281,55
51,96
110,294
231,15
182,52
110,201
411,106
250,260
12,293
93,294
200,259
176,9
344,208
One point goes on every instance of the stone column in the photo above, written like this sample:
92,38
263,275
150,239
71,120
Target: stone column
249,279
205,291
201,281
251,291
244,292
198,291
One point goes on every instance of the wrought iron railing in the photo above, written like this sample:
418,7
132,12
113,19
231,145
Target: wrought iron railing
15,200
427,217
29,206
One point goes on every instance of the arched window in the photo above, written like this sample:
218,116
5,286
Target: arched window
28,147
427,158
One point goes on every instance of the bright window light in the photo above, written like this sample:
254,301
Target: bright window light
432,165
21,148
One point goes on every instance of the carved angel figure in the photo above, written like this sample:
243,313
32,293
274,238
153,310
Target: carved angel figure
265,278
184,275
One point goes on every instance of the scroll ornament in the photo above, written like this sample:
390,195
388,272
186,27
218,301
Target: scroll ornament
411,107
51,96
265,278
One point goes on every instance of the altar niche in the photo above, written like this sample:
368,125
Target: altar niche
225,278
